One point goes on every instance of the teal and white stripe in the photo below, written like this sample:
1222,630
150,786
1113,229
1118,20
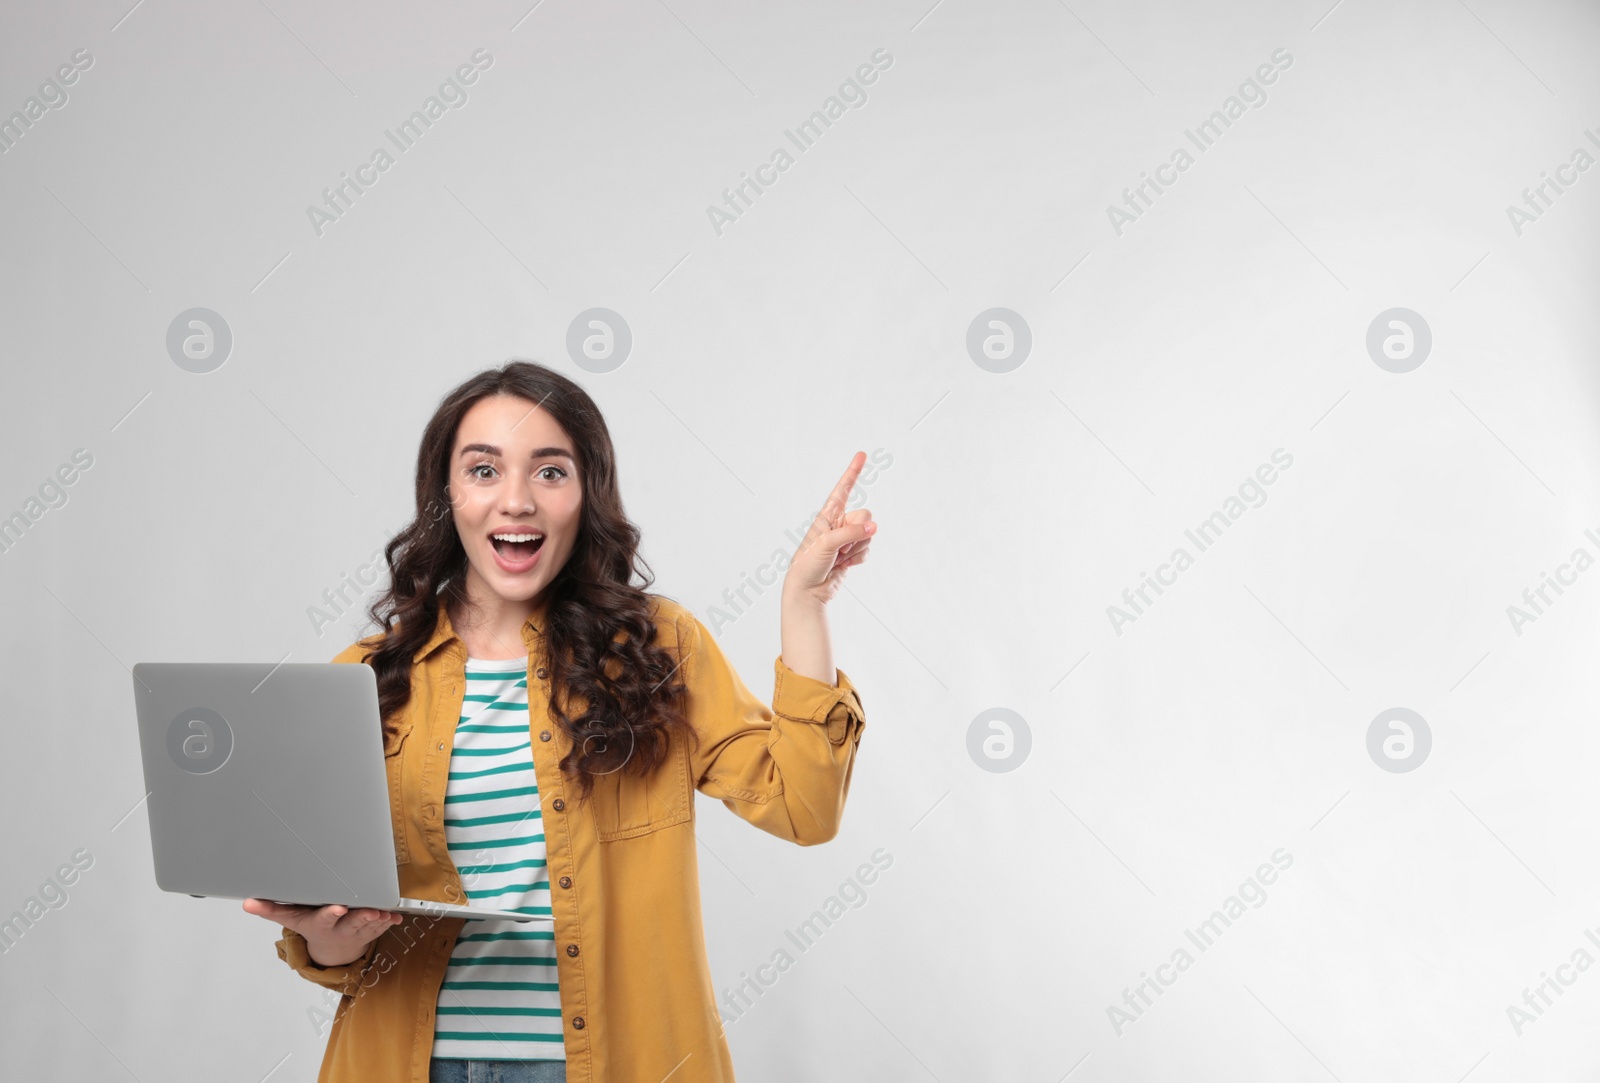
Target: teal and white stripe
499,999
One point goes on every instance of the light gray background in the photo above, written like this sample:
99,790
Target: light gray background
1166,762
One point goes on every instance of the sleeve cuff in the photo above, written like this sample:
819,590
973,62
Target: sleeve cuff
346,977
799,698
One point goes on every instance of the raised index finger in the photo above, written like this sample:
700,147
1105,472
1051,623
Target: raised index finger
847,481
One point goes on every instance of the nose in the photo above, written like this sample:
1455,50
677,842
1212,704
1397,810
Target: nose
516,497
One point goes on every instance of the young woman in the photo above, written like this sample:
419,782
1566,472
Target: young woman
546,724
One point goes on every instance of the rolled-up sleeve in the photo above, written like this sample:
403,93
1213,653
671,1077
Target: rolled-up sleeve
785,768
346,978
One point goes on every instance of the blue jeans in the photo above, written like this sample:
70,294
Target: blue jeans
443,1070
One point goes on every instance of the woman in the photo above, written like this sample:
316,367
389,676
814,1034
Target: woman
545,725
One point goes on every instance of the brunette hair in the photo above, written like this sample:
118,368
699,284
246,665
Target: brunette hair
599,639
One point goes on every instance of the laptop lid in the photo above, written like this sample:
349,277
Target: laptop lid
267,781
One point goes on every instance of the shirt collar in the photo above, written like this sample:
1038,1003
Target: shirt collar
532,629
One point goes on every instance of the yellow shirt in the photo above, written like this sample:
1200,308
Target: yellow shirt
636,996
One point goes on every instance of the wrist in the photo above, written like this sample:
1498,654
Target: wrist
800,600
319,956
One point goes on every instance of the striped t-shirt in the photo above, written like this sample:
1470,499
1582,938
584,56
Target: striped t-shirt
499,999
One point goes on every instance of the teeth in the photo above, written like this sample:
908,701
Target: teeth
516,537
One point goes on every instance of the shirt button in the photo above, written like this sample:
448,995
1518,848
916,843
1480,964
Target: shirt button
558,804
441,744
566,881
572,949
544,735
577,1022
542,673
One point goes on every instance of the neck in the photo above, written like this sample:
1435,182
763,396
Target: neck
493,627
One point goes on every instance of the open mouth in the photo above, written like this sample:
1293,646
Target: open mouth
516,547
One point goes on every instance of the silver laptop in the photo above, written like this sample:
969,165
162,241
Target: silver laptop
268,781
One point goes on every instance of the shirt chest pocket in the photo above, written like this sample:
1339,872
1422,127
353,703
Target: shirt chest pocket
627,806
393,758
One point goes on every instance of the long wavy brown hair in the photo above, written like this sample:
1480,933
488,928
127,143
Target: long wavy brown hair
600,641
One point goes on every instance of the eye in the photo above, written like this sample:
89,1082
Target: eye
557,469
473,470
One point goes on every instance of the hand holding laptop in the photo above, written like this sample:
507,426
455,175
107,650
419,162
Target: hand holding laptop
335,935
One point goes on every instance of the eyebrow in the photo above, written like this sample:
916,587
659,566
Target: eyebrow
537,453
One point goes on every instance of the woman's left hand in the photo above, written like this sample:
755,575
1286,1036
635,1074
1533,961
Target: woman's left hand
837,541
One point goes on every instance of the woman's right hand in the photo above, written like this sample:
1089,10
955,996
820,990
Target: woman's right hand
335,934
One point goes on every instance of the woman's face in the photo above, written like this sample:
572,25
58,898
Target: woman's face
512,474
